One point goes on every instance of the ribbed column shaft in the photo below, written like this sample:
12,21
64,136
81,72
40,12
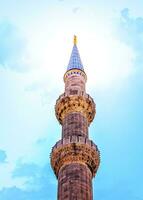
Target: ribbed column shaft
75,182
75,124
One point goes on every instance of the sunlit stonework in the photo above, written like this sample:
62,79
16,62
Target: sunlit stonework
75,158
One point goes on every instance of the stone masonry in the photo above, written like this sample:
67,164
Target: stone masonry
75,158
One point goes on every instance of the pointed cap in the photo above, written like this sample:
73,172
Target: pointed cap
75,61
75,40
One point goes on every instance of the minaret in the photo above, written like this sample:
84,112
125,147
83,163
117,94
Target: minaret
75,158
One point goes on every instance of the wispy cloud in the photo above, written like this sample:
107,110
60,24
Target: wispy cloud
39,183
130,31
76,9
26,170
19,194
12,47
36,176
3,156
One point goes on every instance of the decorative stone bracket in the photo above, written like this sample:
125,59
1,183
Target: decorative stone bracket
69,104
84,151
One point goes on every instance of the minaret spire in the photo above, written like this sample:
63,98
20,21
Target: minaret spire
75,60
75,158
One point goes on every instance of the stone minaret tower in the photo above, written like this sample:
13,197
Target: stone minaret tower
75,158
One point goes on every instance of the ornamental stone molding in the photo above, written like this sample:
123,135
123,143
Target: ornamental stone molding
69,104
75,150
74,71
75,159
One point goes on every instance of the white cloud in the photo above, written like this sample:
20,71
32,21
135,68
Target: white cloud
107,62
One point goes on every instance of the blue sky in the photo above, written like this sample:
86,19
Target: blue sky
35,46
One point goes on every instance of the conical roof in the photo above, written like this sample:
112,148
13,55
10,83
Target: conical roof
75,61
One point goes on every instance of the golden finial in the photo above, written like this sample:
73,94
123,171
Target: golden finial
75,40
